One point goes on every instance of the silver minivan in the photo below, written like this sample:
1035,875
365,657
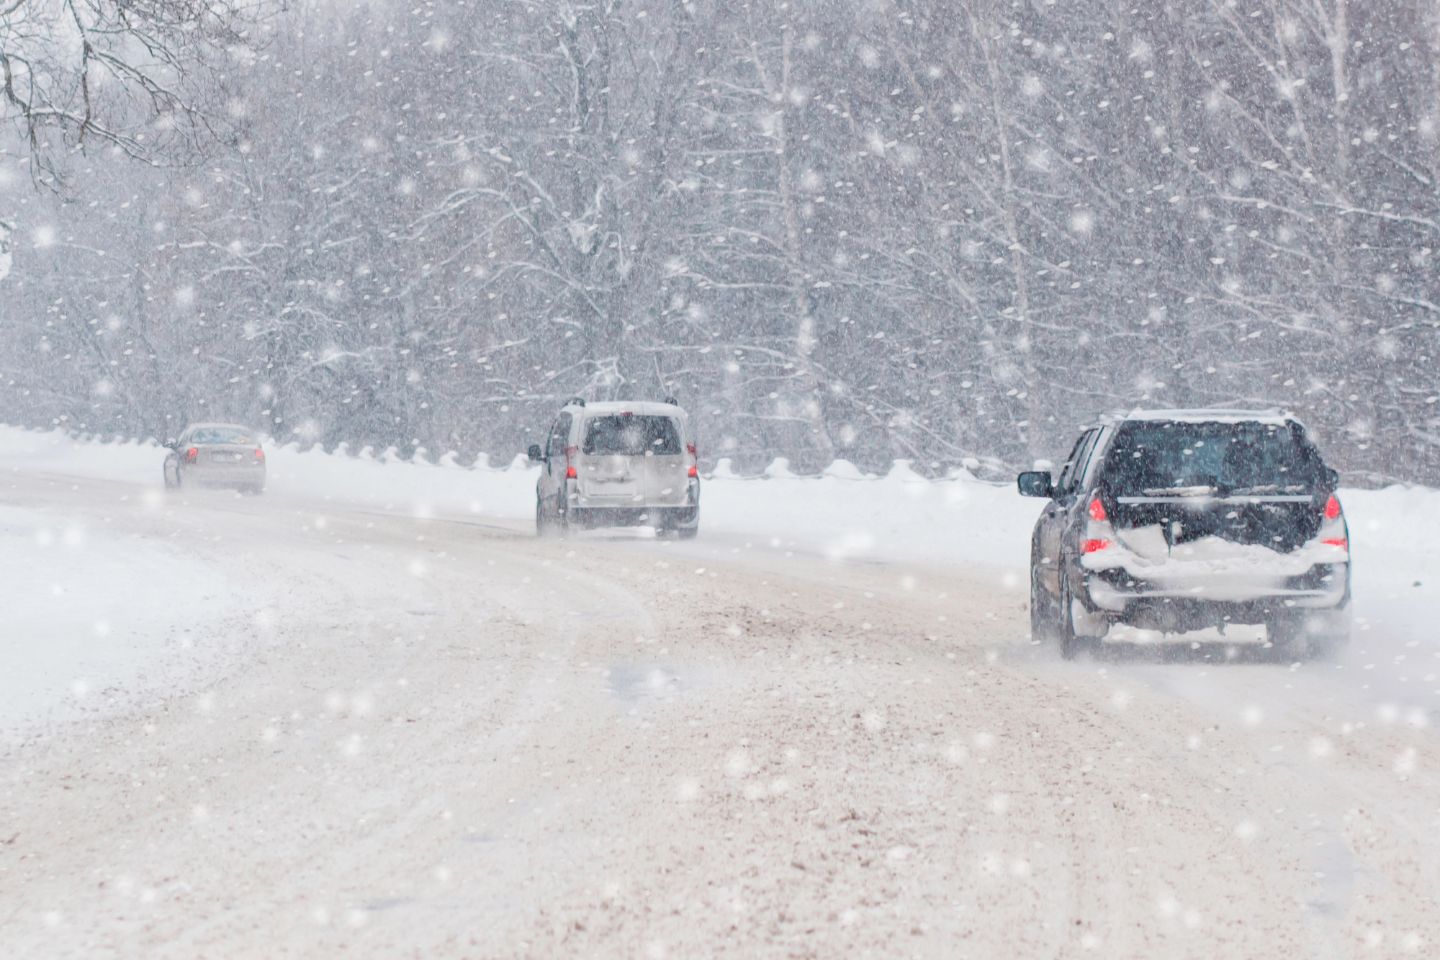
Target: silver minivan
618,464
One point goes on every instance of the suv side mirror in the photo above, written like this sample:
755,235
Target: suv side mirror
1035,483
535,453
170,444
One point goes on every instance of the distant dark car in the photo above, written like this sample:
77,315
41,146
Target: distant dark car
1177,520
216,455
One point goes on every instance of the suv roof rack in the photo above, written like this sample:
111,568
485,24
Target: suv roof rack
574,402
1219,414
672,401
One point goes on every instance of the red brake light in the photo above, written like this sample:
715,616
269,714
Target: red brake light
571,473
1094,546
1332,508
259,454
1097,511
1340,542
694,471
192,454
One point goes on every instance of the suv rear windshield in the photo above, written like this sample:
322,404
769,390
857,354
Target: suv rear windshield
631,436
1171,458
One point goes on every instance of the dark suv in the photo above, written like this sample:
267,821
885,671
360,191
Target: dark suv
1177,520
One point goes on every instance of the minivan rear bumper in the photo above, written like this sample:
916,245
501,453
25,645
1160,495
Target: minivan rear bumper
666,517
588,503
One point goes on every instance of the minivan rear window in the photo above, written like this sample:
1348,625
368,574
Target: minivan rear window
1170,458
631,436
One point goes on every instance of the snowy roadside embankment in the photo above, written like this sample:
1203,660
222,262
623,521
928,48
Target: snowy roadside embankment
843,514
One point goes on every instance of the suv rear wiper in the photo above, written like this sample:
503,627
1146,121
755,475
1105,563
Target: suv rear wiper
1261,489
1195,491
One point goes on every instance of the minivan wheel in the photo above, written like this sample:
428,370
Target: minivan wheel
549,523
563,523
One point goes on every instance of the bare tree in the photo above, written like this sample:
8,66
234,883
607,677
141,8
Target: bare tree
926,229
134,75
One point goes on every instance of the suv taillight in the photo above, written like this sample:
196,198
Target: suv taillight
570,472
259,455
192,454
1334,525
1097,530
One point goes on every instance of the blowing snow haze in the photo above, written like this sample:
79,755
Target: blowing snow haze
568,479
867,230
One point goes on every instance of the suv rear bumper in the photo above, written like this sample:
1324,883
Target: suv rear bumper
1122,598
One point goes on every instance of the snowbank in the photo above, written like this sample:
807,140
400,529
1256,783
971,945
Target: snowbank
844,514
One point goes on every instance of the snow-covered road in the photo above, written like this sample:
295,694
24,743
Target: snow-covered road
439,737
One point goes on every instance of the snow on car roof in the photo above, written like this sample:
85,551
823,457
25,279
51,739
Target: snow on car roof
644,408
1215,415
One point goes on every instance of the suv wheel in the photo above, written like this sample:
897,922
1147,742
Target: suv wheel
1314,635
1042,614
1072,644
